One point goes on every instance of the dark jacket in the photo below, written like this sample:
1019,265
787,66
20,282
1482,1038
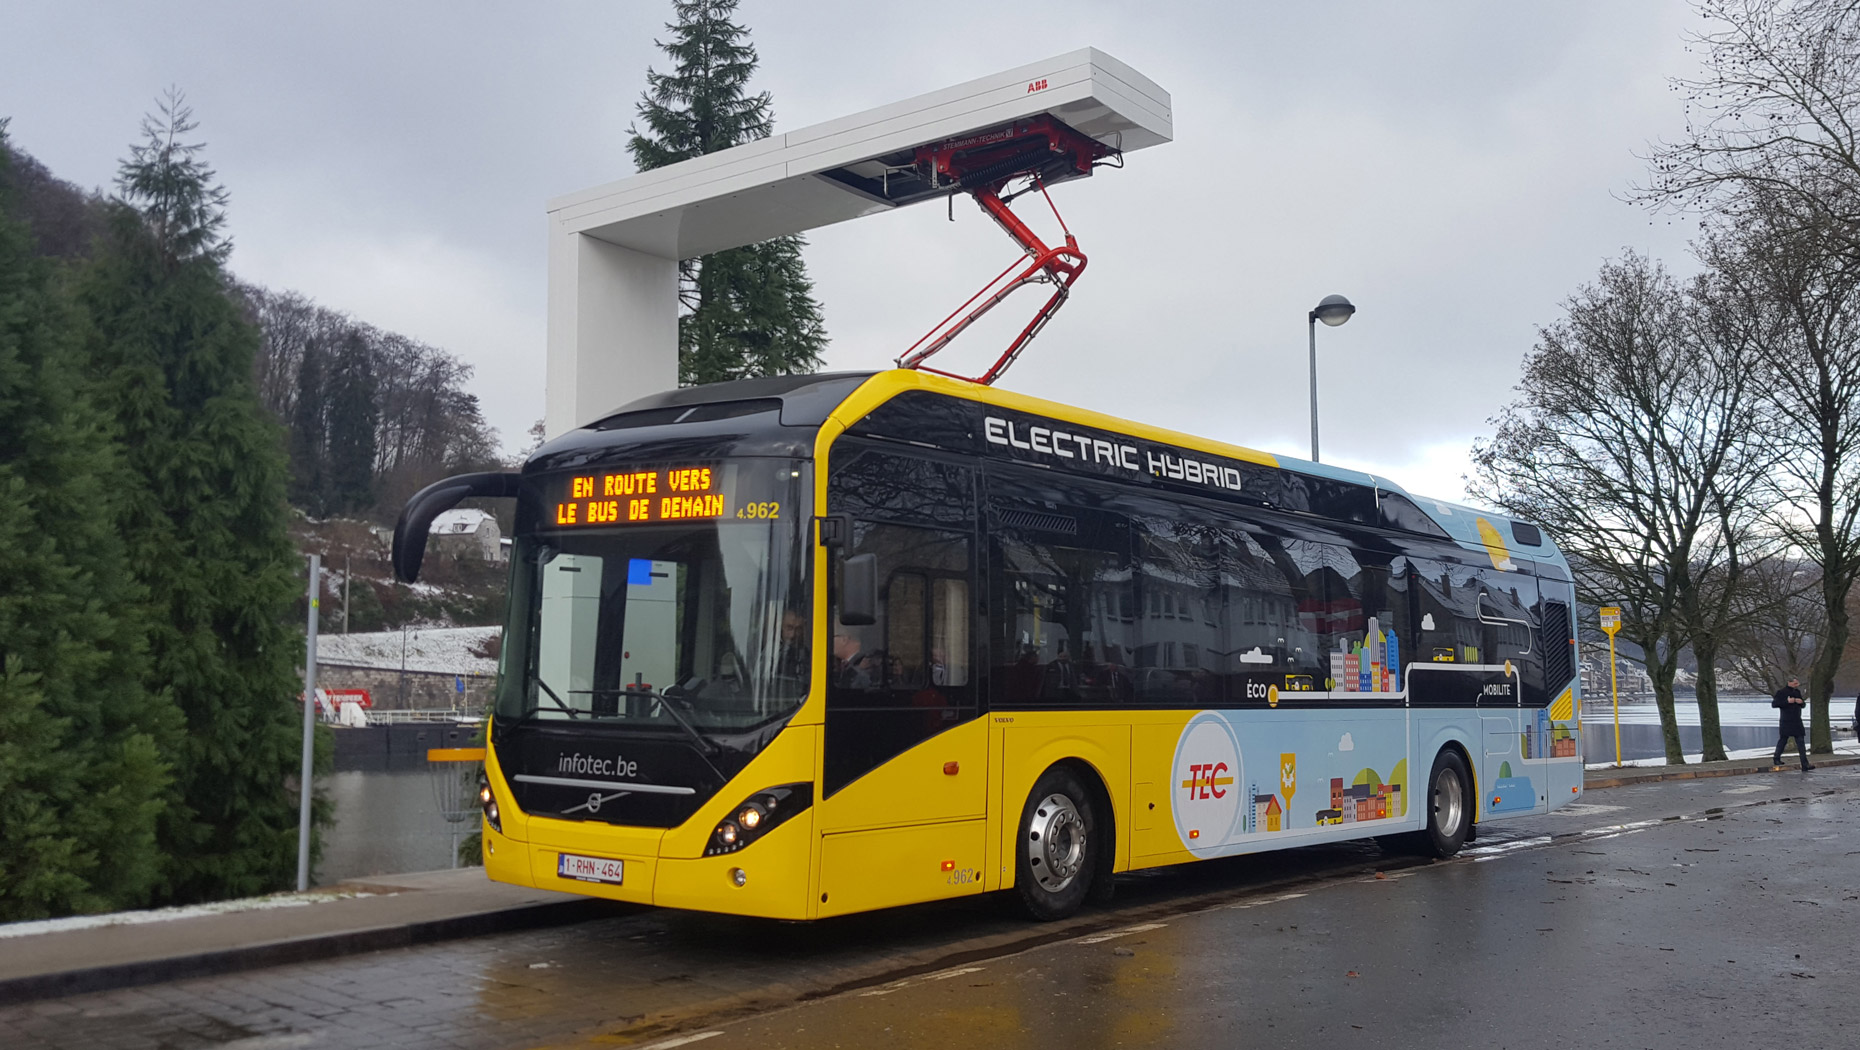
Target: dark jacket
1791,712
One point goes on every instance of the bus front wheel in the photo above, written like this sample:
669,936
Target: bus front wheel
1449,806
1059,843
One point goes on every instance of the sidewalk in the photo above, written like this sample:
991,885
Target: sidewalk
1621,776
69,956
1757,760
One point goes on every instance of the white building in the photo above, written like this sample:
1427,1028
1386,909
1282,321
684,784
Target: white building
464,531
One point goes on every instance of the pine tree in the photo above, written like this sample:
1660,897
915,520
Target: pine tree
747,311
81,777
353,414
205,515
308,434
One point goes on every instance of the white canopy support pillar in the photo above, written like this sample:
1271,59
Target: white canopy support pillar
613,314
614,249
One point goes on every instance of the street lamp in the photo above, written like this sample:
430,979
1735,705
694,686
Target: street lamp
1333,310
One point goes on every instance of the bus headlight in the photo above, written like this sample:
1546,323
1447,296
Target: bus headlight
757,815
489,801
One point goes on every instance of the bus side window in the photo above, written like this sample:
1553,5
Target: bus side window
1445,602
949,632
1262,634
1509,613
902,680
1068,625
904,631
1367,612
1177,577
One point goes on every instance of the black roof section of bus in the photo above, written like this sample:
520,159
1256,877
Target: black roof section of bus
805,400
773,416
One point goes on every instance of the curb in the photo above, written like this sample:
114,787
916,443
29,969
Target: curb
1700,773
18,990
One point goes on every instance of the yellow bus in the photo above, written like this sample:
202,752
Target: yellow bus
804,646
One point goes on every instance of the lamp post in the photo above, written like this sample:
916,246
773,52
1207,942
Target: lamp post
1333,310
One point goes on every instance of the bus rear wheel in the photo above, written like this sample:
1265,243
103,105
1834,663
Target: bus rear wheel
1449,806
1057,855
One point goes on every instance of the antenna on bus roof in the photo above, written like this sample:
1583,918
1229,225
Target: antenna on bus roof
1042,150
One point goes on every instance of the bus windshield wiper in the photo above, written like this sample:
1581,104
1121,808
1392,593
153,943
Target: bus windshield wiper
706,746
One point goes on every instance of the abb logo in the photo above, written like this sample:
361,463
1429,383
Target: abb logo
1205,780
1038,85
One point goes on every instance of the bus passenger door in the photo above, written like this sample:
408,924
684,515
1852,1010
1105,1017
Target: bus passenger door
905,757
1510,783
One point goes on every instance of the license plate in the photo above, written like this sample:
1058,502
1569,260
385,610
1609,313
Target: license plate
588,869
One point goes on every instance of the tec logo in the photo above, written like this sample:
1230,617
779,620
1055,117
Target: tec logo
1207,780
1206,784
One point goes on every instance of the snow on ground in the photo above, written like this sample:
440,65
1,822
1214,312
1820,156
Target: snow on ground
446,650
135,918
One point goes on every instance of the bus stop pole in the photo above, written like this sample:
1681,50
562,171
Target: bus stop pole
1614,687
303,782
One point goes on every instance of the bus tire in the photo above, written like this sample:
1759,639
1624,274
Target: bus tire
1056,857
1449,806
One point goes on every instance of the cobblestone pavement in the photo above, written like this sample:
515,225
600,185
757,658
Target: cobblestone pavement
640,977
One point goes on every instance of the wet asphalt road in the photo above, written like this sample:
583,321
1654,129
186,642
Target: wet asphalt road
1691,914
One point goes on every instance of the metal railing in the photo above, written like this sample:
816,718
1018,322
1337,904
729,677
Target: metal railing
378,717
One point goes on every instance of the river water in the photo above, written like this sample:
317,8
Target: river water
388,818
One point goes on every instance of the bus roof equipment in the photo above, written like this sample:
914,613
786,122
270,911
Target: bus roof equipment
1041,150
614,249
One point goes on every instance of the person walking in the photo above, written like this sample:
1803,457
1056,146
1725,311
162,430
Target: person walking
1788,700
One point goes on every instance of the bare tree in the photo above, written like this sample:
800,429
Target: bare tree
1772,153
1771,119
1781,633
1811,380
426,424
1629,442
1726,327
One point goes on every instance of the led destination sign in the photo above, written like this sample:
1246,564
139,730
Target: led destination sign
679,493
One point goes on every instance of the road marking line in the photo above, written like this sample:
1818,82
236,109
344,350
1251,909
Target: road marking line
945,975
940,975
1100,938
1269,900
681,1040
1497,850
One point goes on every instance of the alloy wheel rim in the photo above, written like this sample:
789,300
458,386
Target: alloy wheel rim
1448,802
1056,842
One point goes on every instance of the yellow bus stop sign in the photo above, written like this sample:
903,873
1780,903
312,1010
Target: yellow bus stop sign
1611,622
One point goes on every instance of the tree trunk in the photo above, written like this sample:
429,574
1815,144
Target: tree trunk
1834,588
1709,727
1660,672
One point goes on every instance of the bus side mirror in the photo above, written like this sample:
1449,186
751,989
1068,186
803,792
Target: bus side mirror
416,518
859,590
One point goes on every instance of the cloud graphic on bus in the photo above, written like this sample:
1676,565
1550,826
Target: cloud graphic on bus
1348,743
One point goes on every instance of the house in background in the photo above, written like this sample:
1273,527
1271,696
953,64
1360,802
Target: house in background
466,532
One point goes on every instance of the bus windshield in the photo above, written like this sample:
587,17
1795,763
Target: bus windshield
697,624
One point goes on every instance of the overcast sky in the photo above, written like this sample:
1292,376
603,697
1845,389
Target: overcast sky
1455,169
